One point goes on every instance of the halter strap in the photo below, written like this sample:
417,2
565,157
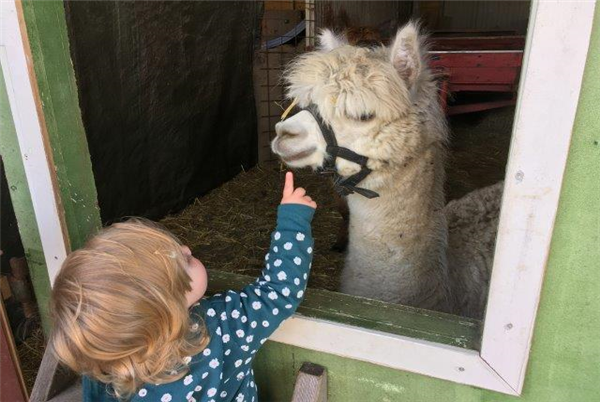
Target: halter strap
348,185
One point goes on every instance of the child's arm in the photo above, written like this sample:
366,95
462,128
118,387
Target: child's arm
249,317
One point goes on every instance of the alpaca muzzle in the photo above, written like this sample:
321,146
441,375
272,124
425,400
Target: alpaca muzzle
343,185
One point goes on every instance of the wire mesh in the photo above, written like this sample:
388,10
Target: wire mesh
288,29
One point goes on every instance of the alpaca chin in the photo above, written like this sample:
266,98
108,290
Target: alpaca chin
308,158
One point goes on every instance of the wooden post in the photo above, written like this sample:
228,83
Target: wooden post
311,384
44,28
12,386
55,382
23,206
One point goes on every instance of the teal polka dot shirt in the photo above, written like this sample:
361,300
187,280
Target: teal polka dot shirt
239,323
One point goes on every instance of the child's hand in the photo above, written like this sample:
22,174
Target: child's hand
295,196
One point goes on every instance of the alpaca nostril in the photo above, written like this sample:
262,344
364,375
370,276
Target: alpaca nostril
286,133
287,130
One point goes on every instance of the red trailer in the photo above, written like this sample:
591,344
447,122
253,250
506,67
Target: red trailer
486,64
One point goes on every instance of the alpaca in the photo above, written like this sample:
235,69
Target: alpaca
382,103
472,226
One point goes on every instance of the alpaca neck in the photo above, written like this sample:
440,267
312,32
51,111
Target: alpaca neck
403,233
410,201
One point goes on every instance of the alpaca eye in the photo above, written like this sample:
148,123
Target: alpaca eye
367,117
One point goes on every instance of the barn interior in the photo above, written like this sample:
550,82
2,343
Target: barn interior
180,109
179,101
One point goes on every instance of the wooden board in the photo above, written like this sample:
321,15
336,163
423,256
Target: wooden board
12,386
474,15
479,71
5,288
339,15
22,203
476,59
55,382
45,27
372,314
476,42
284,5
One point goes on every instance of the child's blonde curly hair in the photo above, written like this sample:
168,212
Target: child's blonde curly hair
119,308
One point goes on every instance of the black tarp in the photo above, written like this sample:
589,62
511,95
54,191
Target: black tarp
166,95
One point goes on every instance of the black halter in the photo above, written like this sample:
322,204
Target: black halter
348,185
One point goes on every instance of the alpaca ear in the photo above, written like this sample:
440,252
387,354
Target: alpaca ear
405,54
329,41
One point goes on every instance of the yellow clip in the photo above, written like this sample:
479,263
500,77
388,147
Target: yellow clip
289,109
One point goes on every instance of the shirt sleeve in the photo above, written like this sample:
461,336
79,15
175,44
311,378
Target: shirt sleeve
250,316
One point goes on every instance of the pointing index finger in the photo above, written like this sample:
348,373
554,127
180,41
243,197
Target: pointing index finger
288,187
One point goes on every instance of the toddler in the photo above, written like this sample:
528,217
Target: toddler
129,315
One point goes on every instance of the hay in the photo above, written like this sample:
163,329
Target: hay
229,228
31,352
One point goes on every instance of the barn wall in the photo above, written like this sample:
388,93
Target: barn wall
474,15
343,14
564,359
435,15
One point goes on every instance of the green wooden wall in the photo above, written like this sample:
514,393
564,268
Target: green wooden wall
565,359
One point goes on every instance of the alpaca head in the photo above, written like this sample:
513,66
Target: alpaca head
359,92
